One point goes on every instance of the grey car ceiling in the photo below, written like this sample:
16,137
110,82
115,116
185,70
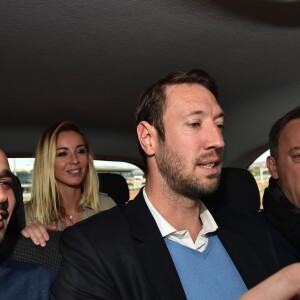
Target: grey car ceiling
89,61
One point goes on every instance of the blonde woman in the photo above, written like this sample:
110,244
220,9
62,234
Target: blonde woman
65,186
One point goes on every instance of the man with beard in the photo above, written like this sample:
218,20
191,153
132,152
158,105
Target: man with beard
18,279
165,244
7,197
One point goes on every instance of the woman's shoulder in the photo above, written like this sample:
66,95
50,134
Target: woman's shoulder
106,202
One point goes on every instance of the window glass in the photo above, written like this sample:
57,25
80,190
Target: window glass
22,167
260,172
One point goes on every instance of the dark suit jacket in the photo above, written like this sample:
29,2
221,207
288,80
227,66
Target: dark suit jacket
286,252
120,254
23,280
17,247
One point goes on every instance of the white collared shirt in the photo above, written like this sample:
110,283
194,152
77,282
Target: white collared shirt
183,237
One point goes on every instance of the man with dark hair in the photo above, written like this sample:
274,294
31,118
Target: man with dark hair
7,197
18,279
165,244
281,199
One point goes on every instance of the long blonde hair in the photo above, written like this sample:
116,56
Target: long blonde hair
45,204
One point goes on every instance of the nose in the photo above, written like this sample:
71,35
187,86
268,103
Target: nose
214,138
3,195
74,159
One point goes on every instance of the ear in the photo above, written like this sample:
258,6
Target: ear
271,164
147,137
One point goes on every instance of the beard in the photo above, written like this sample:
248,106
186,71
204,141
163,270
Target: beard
4,214
172,166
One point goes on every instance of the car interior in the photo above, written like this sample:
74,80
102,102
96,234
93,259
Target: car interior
89,62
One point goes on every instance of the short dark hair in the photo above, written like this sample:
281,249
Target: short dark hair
277,129
152,104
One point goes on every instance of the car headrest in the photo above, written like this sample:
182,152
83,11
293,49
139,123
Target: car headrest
17,220
115,185
237,189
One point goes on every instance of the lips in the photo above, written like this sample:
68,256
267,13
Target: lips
3,211
210,165
210,160
75,171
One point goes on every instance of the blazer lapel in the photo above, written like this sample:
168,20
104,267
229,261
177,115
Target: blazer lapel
153,252
248,243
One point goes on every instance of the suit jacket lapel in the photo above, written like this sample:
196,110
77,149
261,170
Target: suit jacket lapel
245,238
153,252
248,243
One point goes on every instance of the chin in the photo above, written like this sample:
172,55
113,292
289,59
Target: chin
75,184
2,232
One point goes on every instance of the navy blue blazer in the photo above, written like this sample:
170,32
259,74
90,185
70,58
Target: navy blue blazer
286,252
26,281
120,254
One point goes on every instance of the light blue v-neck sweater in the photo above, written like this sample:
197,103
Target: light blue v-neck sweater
207,275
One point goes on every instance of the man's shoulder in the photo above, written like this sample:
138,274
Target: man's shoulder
239,221
110,221
18,248
122,221
237,216
108,216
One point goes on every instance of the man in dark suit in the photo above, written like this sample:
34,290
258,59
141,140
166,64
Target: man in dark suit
165,244
7,196
18,279
281,199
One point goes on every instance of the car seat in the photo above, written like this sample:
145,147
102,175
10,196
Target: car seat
237,189
115,185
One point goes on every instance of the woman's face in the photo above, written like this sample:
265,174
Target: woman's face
71,161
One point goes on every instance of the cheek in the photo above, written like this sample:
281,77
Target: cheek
182,143
57,167
84,162
288,178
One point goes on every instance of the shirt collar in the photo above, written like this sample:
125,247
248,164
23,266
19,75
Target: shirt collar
208,223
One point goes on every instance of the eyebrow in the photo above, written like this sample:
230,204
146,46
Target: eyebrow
66,148
294,148
220,115
201,112
6,173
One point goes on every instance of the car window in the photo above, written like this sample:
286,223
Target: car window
134,176
22,167
260,172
